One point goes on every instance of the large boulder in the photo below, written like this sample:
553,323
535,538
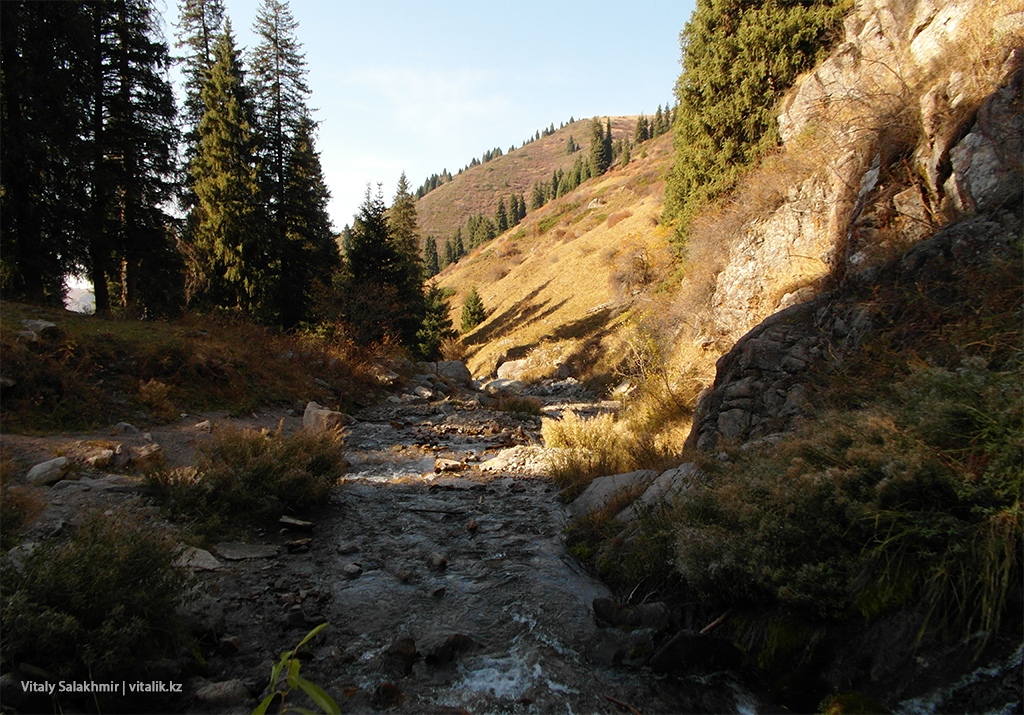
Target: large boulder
320,419
454,371
601,492
48,472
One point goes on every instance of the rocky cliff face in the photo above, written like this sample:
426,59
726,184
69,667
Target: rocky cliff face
916,120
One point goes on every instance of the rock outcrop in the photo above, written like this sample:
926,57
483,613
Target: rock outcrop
901,137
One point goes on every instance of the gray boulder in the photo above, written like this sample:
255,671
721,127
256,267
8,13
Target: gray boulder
49,472
603,490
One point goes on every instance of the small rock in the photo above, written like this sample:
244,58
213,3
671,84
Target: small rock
229,645
472,526
448,465
352,571
101,460
295,618
386,695
145,456
438,591
436,561
299,546
296,524
204,426
125,428
347,547
441,648
424,392
48,472
228,692
233,551
198,560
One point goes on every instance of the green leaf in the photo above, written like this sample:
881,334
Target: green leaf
310,635
261,709
324,701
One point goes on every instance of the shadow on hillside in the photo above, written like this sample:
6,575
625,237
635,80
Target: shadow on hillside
522,313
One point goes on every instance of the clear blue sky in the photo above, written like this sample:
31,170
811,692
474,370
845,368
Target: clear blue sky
426,85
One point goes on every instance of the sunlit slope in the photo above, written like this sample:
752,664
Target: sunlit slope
562,286
477,190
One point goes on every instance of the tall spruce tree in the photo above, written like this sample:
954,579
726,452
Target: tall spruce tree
230,263
137,140
600,148
383,295
45,76
437,324
199,24
431,260
473,311
309,254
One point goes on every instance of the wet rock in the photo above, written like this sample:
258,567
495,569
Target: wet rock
688,649
234,551
352,571
320,419
386,695
602,491
655,615
443,647
347,547
436,561
399,657
196,559
229,646
615,647
228,692
49,472
298,546
295,618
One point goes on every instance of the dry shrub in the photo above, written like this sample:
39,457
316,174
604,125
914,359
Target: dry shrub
588,448
453,349
156,397
524,405
19,505
244,477
617,217
97,604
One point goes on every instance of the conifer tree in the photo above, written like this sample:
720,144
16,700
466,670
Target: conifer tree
403,222
473,312
431,261
383,288
501,216
641,133
309,255
537,198
726,93
600,148
45,74
437,323
230,263
199,24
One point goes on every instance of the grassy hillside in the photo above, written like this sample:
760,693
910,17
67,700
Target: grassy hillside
563,285
478,189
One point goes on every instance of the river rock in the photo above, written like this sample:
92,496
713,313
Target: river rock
448,465
443,647
509,387
436,561
234,551
513,369
320,419
603,490
228,692
455,371
665,488
198,560
49,472
42,328
654,615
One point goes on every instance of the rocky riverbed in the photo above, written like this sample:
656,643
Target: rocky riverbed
439,565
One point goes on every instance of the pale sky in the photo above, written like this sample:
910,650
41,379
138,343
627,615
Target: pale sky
426,85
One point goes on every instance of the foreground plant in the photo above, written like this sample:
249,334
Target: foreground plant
285,679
